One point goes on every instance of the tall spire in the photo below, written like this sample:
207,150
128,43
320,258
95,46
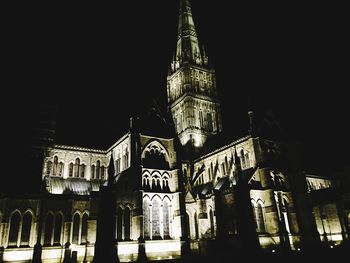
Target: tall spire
187,49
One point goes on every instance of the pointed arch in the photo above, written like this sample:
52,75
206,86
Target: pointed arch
242,157
76,228
15,220
147,197
55,166
98,164
156,196
26,228
84,229
166,219
60,169
127,223
103,172
93,169
48,229
125,156
117,162
58,228
119,223
82,170
155,155
166,198
259,217
76,167
70,170
155,218
146,217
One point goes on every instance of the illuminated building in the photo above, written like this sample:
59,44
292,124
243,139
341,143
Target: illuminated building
171,191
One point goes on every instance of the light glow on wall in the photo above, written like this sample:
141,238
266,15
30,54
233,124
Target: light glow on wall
163,246
18,254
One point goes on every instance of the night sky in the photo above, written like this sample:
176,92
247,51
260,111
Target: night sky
101,64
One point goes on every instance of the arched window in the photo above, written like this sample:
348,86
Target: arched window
155,158
76,167
58,229
82,170
126,158
156,185
14,229
247,161
48,168
242,159
211,217
210,122
93,171
70,170
165,184
155,219
26,227
117,163
55,166
76,226
196,231
102,172
259,216
98,169
84,229
201,121
146,219
127,223
48,229
119,223
166,219
60,169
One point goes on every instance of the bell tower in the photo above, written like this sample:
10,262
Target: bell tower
191,86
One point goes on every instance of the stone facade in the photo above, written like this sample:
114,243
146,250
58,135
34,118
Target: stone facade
167,196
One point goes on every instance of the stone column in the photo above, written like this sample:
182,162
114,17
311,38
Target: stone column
1,254
37,247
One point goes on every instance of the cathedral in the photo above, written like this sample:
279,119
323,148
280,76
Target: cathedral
151,197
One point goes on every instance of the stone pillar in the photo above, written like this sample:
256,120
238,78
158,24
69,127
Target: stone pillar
1,233
105,246
37,247
67,232
282,231
1,254
310,238
92,231
67,253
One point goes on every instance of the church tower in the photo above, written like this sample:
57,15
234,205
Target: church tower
191,86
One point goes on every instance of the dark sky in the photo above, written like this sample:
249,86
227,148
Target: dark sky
101,64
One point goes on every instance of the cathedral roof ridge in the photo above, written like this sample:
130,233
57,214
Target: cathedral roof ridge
223,147
79,148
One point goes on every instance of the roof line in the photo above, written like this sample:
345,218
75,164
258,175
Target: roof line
78,148
223,148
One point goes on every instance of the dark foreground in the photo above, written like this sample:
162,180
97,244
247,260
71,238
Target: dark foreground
332,255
